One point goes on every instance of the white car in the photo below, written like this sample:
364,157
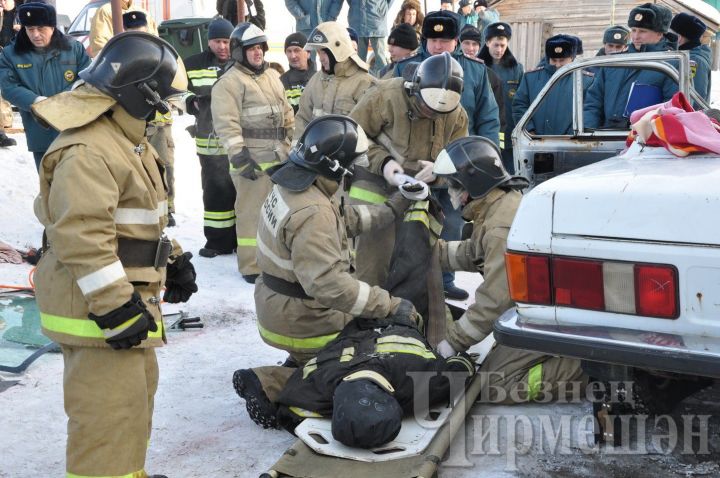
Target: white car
617,263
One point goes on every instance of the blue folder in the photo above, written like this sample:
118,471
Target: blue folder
642,96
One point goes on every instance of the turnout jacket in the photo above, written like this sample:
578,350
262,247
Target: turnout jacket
385,114
203,71
492,217
24,76
302,238
100,182
332,94
101,29
243,100
377,350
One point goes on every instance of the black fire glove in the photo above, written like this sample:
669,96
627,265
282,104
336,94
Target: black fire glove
180,282
248,165
126,326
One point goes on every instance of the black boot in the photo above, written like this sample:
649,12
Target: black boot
261,410
171,220
6,141
250,278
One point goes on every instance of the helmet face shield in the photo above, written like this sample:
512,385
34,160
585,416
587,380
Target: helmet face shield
440,100
438,83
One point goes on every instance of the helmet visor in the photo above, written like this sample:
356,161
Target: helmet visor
440,100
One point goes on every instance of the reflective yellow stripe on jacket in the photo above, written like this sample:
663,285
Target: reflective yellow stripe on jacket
210,146
85,328
295,343
136,474
366,195
203,77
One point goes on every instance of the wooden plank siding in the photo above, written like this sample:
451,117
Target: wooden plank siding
535,21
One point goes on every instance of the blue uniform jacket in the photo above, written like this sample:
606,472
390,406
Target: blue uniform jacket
608,96
369,17
309,13
477,97
25,76
510,78
702,57
554,115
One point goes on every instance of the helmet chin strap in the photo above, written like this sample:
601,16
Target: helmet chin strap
336,166
153,98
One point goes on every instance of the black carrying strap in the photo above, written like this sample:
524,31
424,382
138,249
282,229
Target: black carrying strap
281,286
140,253
265,133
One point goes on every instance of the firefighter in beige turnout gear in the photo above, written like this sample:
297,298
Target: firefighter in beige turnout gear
489,196
408,122
254,122
101,28
103,204
306,294
342,80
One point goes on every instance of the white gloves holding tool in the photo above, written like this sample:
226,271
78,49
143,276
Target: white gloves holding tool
445,349
414,189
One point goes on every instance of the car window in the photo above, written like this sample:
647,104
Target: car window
81,24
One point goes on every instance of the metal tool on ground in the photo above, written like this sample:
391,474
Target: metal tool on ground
182,321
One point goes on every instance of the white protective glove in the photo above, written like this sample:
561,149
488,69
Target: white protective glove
445,349
426,173
411,188
390,169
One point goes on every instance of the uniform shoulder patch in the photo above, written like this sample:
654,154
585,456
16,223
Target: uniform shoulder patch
274,210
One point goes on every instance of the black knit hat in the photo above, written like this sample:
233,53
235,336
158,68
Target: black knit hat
403,36
441,24
295,39
651,16
134,19
689,26
37,14
616,35
561,46
220,28
498,29
480,3
464,3
469,32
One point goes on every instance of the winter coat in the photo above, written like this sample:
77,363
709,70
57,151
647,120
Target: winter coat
492,217
310,13
471,19
294,81
202,72
607,98
7,32
384,113
332,94
228,9
26,75
101,29
700,65
100,182
302,238
510,77
245,100
488,17
376,350
420,17
554,116
369,17
477,98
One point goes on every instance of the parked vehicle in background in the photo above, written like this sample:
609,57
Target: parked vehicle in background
617,263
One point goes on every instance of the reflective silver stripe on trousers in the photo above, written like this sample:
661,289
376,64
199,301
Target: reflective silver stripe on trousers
365,217
101,278
362,299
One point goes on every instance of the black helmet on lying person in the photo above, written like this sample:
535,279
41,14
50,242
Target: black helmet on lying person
248,45
473,165
140,71
437,83
329,147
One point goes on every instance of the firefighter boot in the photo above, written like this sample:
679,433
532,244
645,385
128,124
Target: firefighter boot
261,410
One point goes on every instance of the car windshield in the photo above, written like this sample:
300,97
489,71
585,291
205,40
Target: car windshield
81,24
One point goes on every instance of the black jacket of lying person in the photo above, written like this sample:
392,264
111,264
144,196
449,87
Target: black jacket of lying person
361,380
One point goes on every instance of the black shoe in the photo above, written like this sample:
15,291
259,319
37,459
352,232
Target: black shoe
208,252
157,476
171,220
6,141
261,410
454,292
250,278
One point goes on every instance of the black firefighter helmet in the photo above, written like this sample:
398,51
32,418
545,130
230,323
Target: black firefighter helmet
437,81
328,147
139,70
244,35
474,164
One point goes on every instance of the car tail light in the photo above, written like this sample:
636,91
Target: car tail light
529,278
578,283
656,291
650,290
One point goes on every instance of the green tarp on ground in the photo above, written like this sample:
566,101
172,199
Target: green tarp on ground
20,334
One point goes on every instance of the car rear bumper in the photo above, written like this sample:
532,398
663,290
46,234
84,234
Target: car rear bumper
657,351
